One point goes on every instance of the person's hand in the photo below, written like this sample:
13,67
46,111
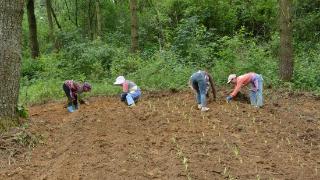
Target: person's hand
83,102
254,90
229,98
86,103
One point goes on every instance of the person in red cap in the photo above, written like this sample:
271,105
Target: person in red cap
256,81
72,90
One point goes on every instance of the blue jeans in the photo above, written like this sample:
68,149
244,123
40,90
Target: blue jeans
256,97
198,83
131,97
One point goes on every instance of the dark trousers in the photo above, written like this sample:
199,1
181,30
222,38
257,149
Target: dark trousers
70,100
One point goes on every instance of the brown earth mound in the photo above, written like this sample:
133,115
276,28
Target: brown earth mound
166,137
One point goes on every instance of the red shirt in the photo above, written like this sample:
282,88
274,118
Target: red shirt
243,81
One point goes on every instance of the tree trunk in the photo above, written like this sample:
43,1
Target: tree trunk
90,29
98,18
34,45
134,26
11,12
50,22
76,13
55,18
161,34
286,49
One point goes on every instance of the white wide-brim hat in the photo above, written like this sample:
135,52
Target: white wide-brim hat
119,80
231,76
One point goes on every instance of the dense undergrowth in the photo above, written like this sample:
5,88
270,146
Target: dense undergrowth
100,63
176,38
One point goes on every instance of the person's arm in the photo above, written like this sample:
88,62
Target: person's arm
236,89
214,93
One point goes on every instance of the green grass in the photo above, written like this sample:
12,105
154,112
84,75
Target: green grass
44,91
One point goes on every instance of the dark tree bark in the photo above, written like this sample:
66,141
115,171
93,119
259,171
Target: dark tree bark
50,22
286,49
134,26
76,13
55,18
11,12
33,37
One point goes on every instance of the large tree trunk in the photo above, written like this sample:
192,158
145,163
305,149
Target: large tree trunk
34,45
286,49
50,22
11,12
134,26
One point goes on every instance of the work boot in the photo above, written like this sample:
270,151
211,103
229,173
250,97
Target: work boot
203,109
70,109
132,105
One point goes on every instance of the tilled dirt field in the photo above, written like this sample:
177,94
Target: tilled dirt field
166,137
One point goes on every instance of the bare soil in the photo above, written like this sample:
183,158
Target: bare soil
166,137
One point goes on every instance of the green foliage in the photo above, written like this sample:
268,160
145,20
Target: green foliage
307,70
258,17
162,72
176,38
215,15
22,111
125,65
41,91
306,20
46,66
91,60
193,43
240,55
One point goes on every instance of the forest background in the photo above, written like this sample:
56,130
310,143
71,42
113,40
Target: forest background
158,44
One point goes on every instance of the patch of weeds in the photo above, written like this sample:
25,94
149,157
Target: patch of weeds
22,111
18,141
26,139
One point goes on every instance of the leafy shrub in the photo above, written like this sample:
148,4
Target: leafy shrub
124,65
46,66
22,111
162,72
240,55
90,60
193,43
307,70
41,91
